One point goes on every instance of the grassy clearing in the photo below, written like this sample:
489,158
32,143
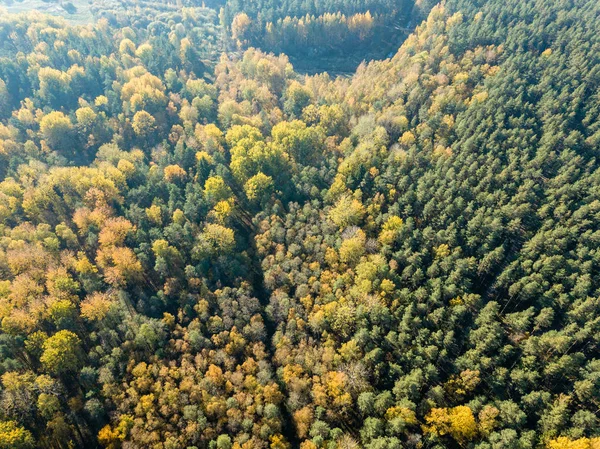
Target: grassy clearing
81,15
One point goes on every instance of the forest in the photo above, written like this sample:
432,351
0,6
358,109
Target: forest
203,248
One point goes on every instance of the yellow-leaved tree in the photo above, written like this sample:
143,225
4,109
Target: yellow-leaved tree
457,422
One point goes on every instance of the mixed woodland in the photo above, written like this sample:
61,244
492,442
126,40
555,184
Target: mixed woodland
201,248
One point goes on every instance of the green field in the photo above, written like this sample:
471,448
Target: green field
82,14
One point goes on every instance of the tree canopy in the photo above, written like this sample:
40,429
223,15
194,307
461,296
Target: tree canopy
201,247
